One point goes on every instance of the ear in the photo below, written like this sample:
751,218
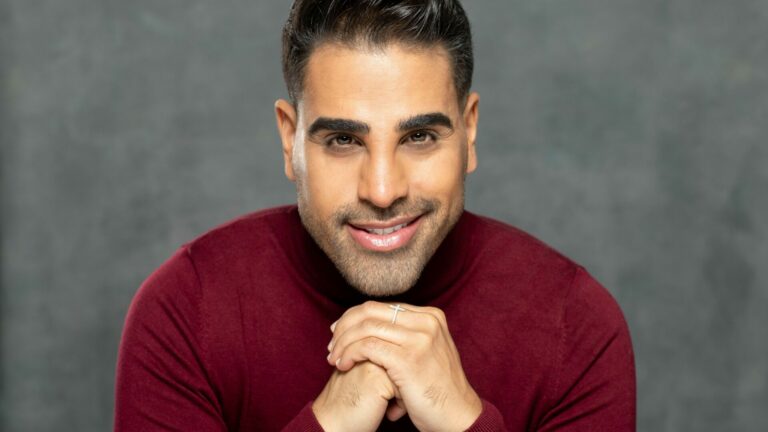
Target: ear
286,117
471,114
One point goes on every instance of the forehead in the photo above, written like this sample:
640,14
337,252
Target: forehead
378,84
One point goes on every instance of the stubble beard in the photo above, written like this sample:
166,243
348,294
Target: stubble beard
379,274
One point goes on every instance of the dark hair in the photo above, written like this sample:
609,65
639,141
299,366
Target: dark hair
375,23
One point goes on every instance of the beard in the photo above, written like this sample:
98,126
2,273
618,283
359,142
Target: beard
375,273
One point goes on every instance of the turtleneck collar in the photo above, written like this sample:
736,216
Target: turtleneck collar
434,286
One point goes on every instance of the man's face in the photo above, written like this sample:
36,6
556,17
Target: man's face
379,147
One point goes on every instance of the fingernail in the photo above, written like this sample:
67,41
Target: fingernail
333,326
328,358
338,360
330,346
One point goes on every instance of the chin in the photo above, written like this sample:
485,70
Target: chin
383,287
380,292
380,274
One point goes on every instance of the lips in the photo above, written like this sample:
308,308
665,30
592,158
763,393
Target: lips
384,236
386,230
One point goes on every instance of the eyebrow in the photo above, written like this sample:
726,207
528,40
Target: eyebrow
338,124
425,120
419,121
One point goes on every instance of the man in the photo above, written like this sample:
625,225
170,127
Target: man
378,295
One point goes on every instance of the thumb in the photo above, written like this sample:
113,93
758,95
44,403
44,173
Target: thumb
395,410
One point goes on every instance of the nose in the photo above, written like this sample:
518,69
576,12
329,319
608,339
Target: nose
382,179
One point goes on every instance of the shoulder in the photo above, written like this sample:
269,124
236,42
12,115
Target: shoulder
232,257
172,289
553,288
242,233
577,327
589,303
240,244
522,256
514,255
239,240
184,278
502,234
192,301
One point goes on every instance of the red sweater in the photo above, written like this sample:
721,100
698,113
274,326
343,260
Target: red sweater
230,333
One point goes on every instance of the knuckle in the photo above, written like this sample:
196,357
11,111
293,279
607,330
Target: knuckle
440,315
372,326
343,318
437,313
369,306
433,325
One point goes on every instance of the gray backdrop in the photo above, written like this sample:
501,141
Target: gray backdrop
628,134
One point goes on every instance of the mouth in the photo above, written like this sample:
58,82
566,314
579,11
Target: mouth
384,236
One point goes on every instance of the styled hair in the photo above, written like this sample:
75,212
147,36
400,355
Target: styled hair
375,24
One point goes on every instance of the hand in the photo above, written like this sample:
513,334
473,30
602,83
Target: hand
357,400
419,357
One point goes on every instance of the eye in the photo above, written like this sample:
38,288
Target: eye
342,140
420,138
341,143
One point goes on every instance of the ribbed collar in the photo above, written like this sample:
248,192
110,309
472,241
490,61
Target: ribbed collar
438,280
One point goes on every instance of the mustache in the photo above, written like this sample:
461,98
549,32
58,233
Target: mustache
401,207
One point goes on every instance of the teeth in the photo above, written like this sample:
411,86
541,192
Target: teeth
386,231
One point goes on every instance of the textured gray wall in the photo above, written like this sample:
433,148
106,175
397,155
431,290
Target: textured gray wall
631,135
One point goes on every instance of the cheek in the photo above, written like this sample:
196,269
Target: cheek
439,176
332,182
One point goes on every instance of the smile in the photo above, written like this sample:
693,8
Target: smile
387,230
384,236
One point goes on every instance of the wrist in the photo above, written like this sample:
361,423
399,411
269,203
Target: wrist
324,418
471,413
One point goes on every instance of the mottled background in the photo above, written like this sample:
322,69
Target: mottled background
629,134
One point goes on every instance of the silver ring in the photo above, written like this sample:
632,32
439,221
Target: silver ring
396,309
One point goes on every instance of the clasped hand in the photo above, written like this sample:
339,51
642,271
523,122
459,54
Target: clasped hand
384,368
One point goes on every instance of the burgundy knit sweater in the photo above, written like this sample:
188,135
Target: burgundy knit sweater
230,334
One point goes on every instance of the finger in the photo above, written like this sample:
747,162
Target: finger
383,330
406,315
395,410
357,324
377,351
370,309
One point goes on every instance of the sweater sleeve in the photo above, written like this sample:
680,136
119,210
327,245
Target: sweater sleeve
161,380
305,421
595,386
490,420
